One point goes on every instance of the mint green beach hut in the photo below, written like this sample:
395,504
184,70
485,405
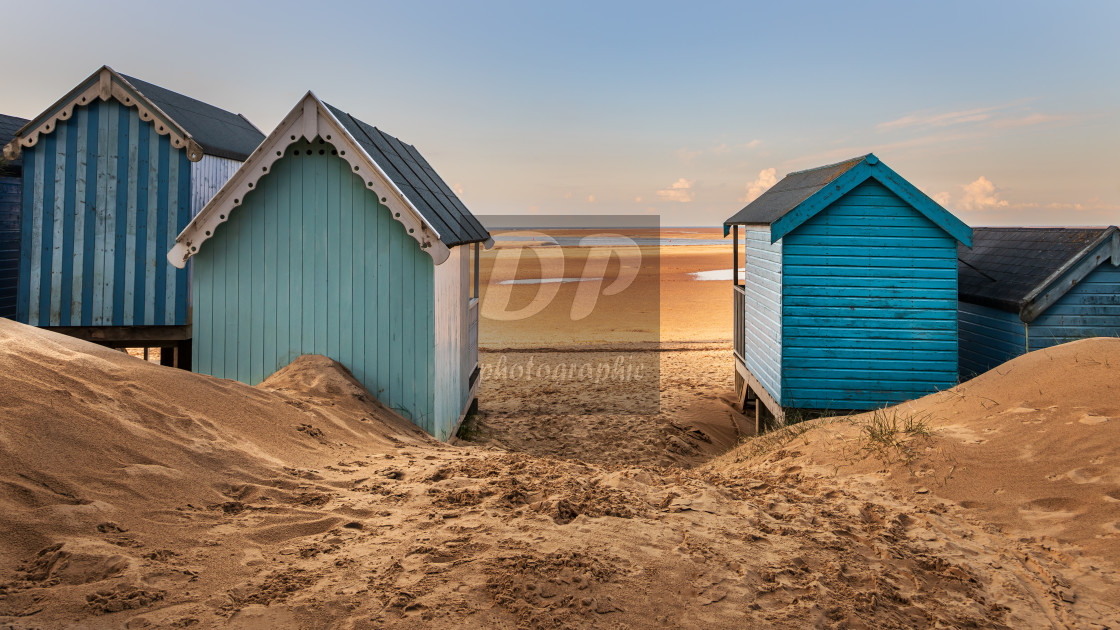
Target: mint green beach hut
335,238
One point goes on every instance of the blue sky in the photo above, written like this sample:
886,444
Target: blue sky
1006,112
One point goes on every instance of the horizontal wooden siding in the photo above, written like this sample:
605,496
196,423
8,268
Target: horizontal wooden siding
989,337
762,308
312,263
104,196
1090,309
869,305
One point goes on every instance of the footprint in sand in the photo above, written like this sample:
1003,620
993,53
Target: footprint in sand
1050,507
1088,474
1093,419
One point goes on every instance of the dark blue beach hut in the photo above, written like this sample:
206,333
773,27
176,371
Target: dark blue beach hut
336,238
849,296
1024,289
11,186
110,175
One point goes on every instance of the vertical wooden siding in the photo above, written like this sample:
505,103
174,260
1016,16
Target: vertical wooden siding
762,309
103,198
311,263
451,340
1090,309
208,175
10,199
988,337
869,299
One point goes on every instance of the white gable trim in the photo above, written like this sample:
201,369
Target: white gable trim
309,119
104,84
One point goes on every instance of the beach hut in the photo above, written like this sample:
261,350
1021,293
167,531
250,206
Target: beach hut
335,238
11,186
111,173
1023,289
849,296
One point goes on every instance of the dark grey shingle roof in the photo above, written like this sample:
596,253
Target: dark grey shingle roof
418,181
9,125
789,193
1006,264
220,133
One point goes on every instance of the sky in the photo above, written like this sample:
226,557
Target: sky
1007,113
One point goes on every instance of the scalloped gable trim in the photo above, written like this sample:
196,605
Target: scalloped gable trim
104,84
309,119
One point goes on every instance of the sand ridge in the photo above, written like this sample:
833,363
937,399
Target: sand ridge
148,497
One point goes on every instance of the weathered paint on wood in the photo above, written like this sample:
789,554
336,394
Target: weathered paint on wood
11,198
455,322
208,175
868,304
97,221
762,308
308,232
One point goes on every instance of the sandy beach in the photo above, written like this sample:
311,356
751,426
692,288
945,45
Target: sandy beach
134,495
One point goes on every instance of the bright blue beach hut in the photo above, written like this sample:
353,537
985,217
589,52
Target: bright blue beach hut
1024,289
338,239
849,296
110,174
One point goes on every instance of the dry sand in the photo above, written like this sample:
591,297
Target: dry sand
133,495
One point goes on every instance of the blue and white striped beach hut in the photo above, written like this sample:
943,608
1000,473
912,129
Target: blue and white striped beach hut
849,297
335,238
1024,289
111,173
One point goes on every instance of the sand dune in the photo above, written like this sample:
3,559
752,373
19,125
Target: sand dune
139,496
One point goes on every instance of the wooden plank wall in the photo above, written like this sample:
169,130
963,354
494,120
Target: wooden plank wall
312,263
988,337
1090,309
869,297
451,340
208,175
762,309
10,198
103,198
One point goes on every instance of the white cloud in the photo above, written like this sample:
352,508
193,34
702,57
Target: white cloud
680,191
942,198
754,143
637,200
1028,120
458,188
591,199
767,177
981,194
945,119
721,148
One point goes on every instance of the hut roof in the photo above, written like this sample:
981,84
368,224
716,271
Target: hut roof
417,180
418,198
1017,269
800,195
790,192
220,133
9,125
191,124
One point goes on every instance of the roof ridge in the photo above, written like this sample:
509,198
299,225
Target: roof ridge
818,168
